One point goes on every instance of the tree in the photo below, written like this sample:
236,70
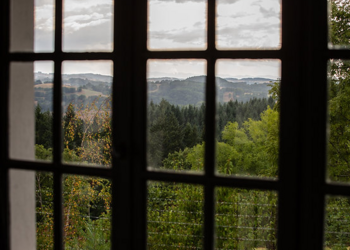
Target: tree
72,129
43,127
340,22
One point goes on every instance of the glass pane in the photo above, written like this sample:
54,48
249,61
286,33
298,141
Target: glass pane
339,133
177,25
175,216
247,117
245,219
86,103
43,101
87,25
31,118
87,212
337,227
339,25
44,25
44,210
176,109
248,24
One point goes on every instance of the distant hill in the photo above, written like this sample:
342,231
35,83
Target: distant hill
75,79
159,79
192,90
174,90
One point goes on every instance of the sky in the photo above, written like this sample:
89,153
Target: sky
172,25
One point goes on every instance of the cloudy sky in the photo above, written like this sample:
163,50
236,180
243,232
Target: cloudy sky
172,25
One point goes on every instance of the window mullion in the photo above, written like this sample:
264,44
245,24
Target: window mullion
4,172
289,156
138,117
313,111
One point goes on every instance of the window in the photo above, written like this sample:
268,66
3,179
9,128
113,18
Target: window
301,186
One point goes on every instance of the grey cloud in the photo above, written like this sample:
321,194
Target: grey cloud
245,35
44,40
240,14
101,8
179,36
200,1
227,1
89,37
39,3
268,12
182,1
199,24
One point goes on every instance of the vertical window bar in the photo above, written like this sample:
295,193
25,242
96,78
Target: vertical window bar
57,154
138,124
58,26
289,154
4,177
211,12
121,214
313,111
57,140
210,130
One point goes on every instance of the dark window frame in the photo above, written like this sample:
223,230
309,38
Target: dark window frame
301,186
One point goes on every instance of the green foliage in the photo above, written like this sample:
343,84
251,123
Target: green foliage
175,216
340,25
41,153
43,127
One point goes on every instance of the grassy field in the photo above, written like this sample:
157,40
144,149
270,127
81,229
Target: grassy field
44,85
86,92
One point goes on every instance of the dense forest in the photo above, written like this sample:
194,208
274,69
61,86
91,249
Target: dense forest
247,145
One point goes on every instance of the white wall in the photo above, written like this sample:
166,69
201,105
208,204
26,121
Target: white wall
22,138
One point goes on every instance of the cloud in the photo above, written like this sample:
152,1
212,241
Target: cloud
180,1
262,35
40,3
92,36
267,13
227,1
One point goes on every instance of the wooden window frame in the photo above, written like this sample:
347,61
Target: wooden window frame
301,185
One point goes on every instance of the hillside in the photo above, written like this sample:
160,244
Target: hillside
192,90
86,87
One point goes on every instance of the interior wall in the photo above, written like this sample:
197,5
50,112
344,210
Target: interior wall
21,128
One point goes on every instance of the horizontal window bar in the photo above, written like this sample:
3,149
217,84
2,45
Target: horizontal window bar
337,189
339,54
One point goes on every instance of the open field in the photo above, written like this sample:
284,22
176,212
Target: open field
88,92
50,85
44,85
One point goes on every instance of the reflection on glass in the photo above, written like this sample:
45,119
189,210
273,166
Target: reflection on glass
86,103
44,210
247,117
177,25
337,223
250,24
339,115
245,219
339,25
87,25
174,216
87,212
44,25
176,109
